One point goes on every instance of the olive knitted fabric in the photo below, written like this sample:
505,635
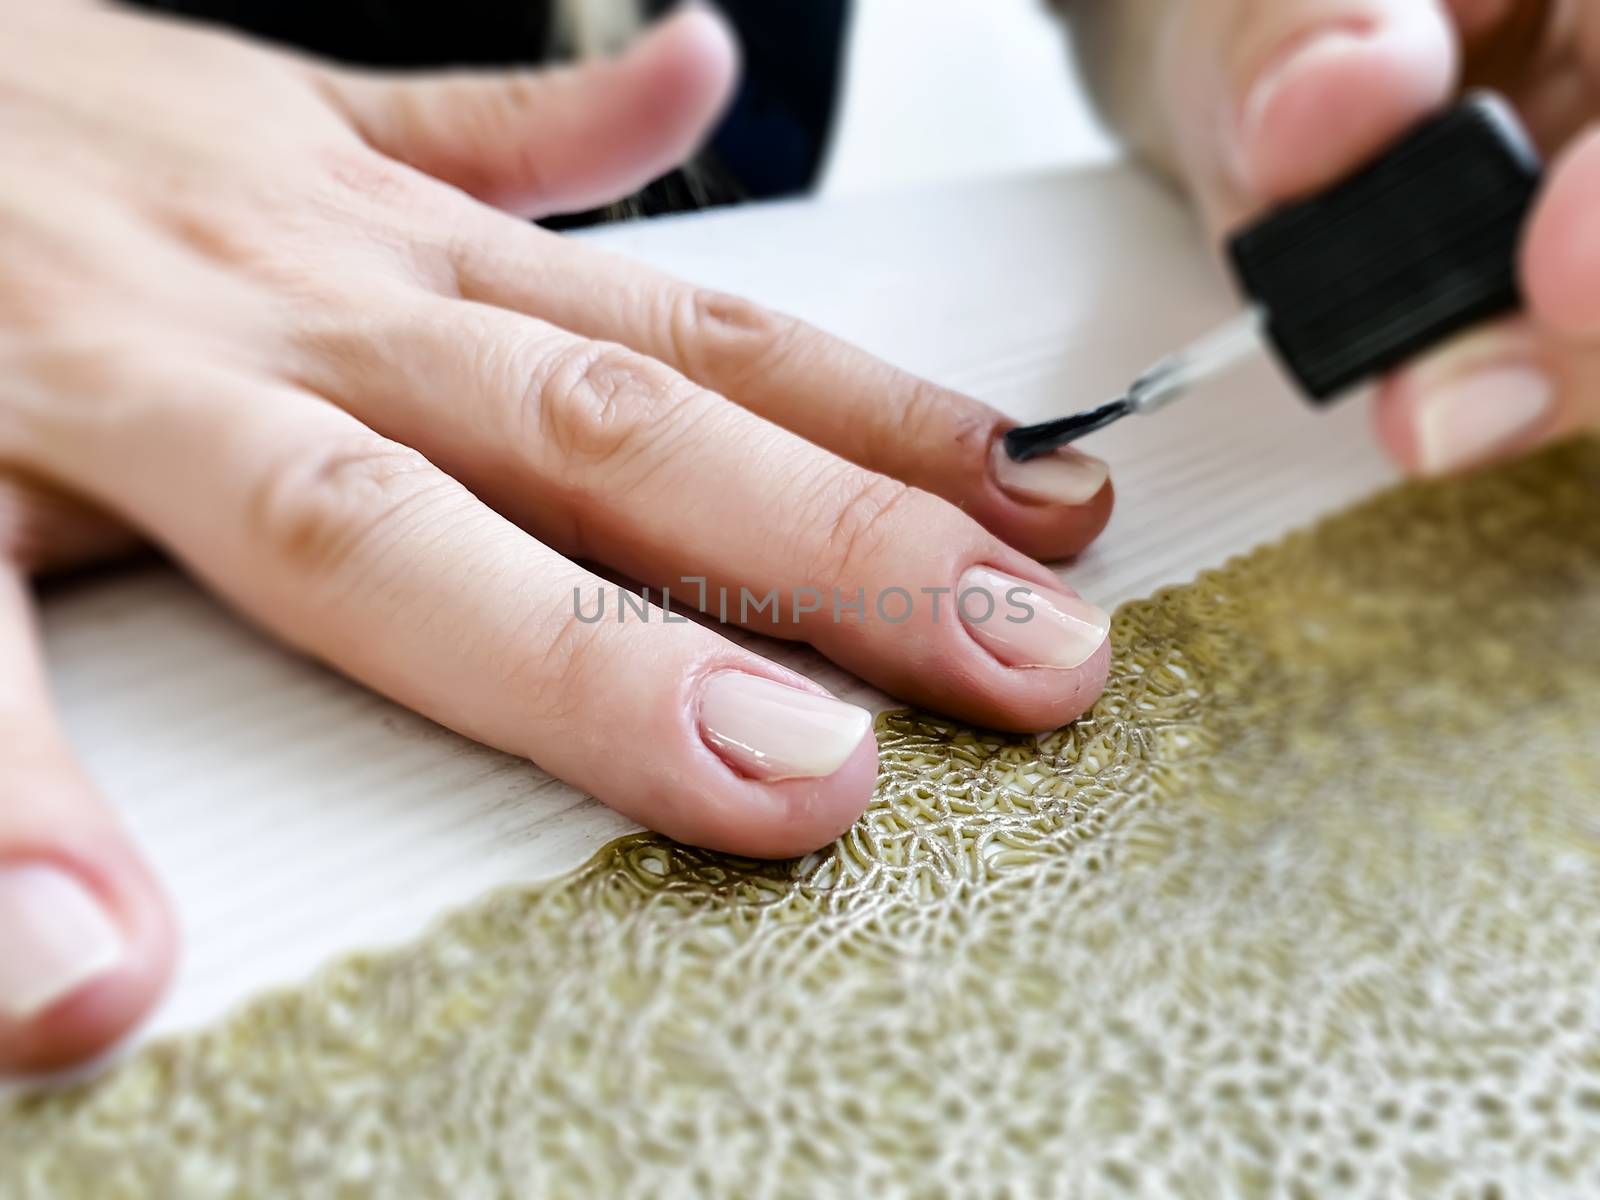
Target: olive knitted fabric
1309,904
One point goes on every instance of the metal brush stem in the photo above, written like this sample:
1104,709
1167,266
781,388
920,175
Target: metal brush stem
1212,354
1158,387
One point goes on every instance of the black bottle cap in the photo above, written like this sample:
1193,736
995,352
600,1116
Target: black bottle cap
1418,245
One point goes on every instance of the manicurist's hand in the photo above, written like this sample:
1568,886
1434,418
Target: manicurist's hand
1253,103
289,323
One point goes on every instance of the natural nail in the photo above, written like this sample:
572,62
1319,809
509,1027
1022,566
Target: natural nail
772,731
1307,52
1024,625
1064,477
1477,416
54,938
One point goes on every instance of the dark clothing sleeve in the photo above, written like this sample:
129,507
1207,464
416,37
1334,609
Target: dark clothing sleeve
771,142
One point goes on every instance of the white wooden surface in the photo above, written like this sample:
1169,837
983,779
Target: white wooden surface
295,815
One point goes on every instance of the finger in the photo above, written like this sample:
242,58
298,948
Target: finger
613,456
1501,391
364,554
1502,39
1269,101
1561,258
43,530
815,385
1536,52
87,941
1488,395
556,140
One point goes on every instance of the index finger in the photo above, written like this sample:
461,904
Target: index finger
829,392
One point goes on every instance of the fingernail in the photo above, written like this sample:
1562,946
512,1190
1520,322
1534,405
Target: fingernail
1305,53
772,731
54,938
1064,477
1024,625
1477,416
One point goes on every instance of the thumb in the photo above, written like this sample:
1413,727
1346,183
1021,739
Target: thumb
1268,101
559,140
86,938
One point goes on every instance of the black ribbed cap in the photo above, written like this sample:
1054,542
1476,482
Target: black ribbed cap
1420,244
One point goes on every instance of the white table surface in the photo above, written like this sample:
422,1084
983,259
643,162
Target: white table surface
295,815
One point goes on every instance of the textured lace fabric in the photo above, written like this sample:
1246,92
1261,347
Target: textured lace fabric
1308,905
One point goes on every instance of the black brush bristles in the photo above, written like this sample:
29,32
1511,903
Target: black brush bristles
1032,441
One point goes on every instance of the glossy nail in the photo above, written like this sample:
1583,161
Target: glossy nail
772,731
1475,417
54,938
1065,477
1024,625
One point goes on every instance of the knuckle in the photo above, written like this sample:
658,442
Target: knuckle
729,338
600,405
864,510
322,511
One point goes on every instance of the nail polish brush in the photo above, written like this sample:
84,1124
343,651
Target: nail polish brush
1418,245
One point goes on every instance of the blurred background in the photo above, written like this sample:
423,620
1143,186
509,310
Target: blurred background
878,94
945,89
